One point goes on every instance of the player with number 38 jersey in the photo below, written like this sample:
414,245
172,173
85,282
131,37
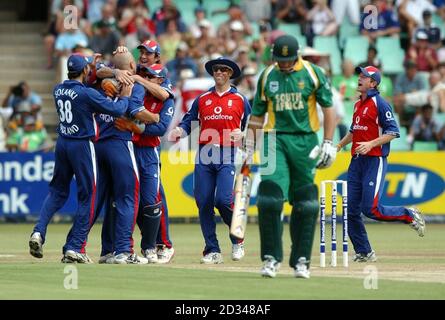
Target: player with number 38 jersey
76,105
75,155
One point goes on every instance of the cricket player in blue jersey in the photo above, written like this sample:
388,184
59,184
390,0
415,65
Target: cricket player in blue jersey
222,113
147,142
372,129
75,155
115,154
149,54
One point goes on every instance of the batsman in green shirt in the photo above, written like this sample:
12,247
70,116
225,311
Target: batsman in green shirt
287,93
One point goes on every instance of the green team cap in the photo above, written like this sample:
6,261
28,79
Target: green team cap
285,48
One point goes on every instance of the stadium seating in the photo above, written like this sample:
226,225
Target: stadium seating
424,146
356,49
347,30
438,21
391,54
301,41
400,144
290,28
329,45
349,111
440,118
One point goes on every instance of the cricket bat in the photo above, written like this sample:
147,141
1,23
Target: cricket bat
242,198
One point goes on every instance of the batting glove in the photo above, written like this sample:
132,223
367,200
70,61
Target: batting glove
327,156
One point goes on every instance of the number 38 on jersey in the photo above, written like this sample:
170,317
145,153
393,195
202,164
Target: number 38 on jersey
64,109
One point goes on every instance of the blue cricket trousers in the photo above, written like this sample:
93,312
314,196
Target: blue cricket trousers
148,160
213,183
366,182
164,233
118,194
72,157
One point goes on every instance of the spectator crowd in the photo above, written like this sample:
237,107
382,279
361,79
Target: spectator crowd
190,32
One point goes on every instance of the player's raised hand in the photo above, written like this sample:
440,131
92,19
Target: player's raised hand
175,134
96,58
123,76
328,153
126,89
120,49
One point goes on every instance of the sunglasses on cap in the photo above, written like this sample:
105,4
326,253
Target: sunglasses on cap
221,68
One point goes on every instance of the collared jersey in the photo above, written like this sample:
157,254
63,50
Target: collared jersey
76,105
290,99
372,118
106,122
218,115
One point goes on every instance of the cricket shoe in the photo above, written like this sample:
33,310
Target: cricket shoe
165,254
362,257
270,267
418,223
127,258
36,245
106,258
72,256
301,269
151,255
212,258
237,251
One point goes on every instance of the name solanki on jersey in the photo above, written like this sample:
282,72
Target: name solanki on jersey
289,101
66,92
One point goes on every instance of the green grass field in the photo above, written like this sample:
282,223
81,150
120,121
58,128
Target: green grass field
409,267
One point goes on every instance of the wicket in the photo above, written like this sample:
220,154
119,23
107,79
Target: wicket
334,184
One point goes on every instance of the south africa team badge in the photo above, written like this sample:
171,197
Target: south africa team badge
273,86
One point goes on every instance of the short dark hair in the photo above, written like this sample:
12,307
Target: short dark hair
427,107
74,74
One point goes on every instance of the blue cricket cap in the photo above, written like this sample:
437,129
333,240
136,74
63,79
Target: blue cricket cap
76,62
371,72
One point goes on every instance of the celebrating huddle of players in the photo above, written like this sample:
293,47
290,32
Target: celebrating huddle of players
111,121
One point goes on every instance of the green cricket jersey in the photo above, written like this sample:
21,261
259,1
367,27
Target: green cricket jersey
290,99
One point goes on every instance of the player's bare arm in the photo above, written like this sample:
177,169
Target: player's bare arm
147,117
155,89
366,146
123,76
347,139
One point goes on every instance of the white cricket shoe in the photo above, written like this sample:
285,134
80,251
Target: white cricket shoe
212,258
106,258
237,251
368,257
270,267
127,258
36,245
301,269
418,223
72,256
165,255
151,255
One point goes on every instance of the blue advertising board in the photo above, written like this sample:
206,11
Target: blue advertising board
24,183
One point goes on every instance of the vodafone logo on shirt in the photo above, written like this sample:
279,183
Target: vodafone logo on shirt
217,115
359,127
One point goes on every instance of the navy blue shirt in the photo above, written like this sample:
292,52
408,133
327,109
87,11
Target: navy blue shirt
106,121
76,105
